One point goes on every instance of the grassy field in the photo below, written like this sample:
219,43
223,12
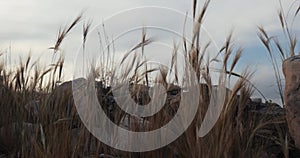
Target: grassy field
38,117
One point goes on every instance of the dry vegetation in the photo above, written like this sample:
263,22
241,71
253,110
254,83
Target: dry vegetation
38,117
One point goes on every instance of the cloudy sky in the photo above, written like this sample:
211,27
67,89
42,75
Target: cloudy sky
32,25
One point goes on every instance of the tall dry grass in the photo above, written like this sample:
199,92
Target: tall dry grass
53,129
282,45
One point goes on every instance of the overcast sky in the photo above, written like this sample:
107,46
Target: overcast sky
34,24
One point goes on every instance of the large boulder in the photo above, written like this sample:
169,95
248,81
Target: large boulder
291,70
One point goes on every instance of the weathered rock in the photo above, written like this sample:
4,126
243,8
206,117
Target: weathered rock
265,109
291,70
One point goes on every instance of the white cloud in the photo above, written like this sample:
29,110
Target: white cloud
33,19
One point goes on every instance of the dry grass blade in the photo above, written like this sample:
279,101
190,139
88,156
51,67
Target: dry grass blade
194,8
149,71
206,73
263,32
60,37
143,40
241,82
281,18
216,57
141,44
45,73
228,41
227,48
203,11
204,51
222,49
61,65
174,56
297,11
35,78
86,30
18,81
264,41
252,85
236,59
22,73
226,57
56,66
139,64
206,47
197,27
143,49
174,61
75,22
43,138
129,67
163,78
184,35
293,46
193,58
279,47
64,32
28,61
